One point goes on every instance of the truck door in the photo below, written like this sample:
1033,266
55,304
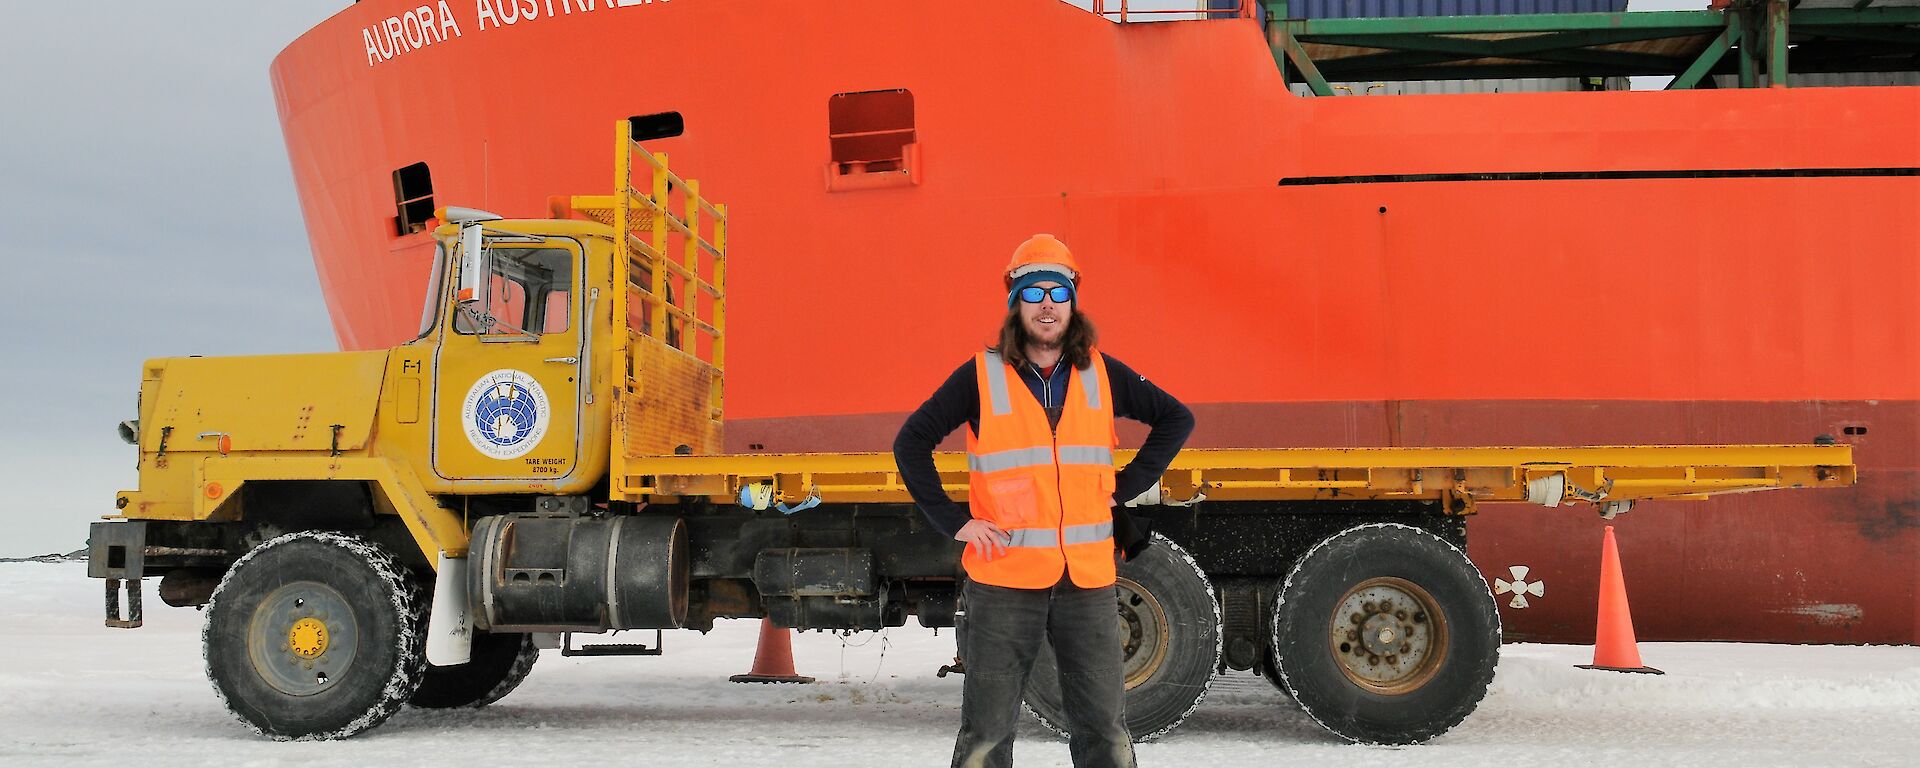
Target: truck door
507,377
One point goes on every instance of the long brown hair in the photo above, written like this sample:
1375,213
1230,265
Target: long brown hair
1076,347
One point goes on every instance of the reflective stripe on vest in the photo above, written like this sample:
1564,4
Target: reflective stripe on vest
1038,457
997,384
1087,534
1091,386
1048,537
1086,454
1033,537
1018,457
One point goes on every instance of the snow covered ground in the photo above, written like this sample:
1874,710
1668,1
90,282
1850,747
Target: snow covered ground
75,693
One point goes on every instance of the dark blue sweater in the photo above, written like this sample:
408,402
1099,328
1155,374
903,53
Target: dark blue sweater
957,402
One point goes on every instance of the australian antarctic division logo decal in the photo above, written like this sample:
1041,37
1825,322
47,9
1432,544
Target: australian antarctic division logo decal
506,414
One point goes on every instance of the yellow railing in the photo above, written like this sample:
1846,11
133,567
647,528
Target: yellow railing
675,243
670,285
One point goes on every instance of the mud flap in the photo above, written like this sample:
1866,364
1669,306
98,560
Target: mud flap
116,551
449,626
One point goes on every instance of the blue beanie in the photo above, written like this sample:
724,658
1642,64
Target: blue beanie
1037,277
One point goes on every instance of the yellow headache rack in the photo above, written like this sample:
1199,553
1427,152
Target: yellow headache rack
1612,476
671,319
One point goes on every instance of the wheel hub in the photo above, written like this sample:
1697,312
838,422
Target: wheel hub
1381,634
302,638
1143,632
1388,635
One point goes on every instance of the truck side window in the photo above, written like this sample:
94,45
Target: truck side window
529,291
639,311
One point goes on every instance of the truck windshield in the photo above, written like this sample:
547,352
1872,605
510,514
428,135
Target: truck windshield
529,292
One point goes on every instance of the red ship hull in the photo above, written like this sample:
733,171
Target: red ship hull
1522,269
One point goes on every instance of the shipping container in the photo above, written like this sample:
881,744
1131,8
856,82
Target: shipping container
1378,9
1508,85
1833,79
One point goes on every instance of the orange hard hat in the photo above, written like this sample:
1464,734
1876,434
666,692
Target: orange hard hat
1042,252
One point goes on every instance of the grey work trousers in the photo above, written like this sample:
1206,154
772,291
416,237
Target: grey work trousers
1002,636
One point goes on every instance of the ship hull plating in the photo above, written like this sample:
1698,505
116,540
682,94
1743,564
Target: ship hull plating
1581,268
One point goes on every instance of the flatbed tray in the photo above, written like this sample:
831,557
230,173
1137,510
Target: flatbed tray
1461,477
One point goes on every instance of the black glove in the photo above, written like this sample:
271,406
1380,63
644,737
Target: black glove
1131,535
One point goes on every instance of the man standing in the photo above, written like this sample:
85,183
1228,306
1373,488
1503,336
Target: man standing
1042,527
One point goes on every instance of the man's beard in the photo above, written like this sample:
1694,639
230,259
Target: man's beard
1034,341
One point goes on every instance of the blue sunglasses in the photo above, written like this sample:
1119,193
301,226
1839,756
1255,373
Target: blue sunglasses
1034,294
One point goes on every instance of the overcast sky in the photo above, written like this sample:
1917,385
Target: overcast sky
148,211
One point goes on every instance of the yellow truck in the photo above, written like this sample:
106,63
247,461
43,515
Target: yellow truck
371,529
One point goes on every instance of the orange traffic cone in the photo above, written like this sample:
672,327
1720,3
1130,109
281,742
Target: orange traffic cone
772,657
1614,648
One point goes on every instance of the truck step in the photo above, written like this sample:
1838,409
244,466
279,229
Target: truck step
567,647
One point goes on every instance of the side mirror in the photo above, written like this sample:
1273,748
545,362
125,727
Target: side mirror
473,266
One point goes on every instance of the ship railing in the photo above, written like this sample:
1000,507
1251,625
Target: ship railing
1126,11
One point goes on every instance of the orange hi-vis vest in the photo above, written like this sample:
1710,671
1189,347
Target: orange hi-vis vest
1049,488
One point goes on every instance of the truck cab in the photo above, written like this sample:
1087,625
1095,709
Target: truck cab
500,388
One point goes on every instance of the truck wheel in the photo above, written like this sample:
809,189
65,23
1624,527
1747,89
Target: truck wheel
1270,669
500,661
1386,634
1170,635
312,635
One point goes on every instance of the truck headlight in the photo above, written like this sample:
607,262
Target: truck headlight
130,431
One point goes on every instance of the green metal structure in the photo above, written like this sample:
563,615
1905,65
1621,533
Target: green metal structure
1755,40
